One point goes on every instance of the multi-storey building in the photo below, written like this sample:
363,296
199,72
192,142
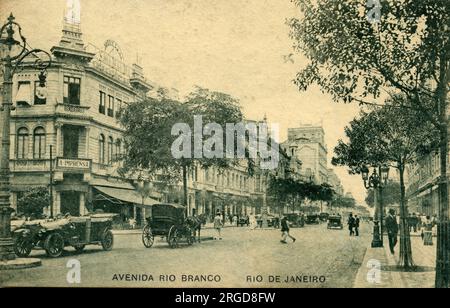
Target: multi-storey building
307,143
69,140
75,124
423,185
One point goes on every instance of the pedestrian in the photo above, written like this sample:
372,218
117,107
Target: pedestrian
357,222
392,229
285,231
218,224
351,224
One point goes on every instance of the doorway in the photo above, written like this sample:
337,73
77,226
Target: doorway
70,203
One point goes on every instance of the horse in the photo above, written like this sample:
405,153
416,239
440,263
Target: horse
196,223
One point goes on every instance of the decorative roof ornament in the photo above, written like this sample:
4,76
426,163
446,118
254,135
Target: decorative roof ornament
73,12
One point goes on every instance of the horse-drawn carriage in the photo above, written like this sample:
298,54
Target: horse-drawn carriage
168,221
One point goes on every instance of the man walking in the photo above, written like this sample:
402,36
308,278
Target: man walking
285,231
392,229
351,224
357,221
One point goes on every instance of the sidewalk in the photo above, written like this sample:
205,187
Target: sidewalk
390,276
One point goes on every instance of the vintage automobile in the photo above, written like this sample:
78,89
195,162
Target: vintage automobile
243,221
272,221
312,219
167,221
295,220
324,216
53,235
335,222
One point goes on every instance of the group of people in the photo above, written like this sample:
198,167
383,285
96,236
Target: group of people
353,224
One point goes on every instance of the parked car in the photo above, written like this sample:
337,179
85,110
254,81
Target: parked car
324,216
272,221
295,220
335,222
243,220
312,219
53,235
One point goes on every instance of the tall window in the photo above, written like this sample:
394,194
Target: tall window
72,90
118,148
22,143
39,143
110,150
101,149
102,105
118,107
110,106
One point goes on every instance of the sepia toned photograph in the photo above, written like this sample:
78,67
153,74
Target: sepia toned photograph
210,144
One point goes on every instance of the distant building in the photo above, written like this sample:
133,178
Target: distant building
307,143
335,182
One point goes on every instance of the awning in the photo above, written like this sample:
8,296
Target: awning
24,93
126,195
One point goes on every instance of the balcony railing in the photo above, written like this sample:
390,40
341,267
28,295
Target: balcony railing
72,109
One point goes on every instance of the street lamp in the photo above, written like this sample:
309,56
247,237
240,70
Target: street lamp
376,181
13,51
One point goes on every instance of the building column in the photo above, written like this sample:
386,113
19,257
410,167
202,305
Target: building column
59,140
13,200
83,209
57,204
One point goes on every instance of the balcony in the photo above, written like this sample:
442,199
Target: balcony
69,109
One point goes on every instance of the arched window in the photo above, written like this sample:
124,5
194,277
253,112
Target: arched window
110,150
22,143
101,149
39,144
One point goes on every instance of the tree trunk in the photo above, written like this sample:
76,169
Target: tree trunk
406,259
185,189
442,255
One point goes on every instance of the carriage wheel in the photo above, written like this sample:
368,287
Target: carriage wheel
147,237
172,237
23,247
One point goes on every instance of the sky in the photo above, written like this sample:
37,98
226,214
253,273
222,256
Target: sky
240,47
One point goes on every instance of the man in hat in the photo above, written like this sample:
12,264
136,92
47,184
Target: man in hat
392,229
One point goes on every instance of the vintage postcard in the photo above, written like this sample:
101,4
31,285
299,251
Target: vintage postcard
224,144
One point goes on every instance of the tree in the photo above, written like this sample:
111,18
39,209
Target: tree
150,123
355,59
344,202
392,136
33,201
391,195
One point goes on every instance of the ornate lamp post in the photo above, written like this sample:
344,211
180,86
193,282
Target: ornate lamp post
376,181
13,51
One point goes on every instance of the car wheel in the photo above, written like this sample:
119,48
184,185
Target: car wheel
147,237
107,240
54,245
22,247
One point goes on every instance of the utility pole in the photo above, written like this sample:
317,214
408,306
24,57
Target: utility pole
51,181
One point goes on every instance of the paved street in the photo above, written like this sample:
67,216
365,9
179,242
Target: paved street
319,254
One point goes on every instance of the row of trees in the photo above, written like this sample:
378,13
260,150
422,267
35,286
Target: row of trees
404,56
149,139
292,193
